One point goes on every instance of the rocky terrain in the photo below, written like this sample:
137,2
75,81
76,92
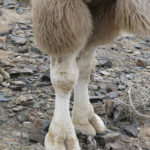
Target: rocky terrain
119,89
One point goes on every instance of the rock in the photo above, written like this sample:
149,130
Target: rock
141,63
137,46
91,143
18,83
117,81
18,40
37,135
105,63
110,87
131,130
39,130
2,122
131,37
108,138
46,76
118,113
17,71
94,99
112,95
105,73
99,108
41,124
23,98
121,87
4,98
115,146
129,76
31,116
20,118
18,108
109,108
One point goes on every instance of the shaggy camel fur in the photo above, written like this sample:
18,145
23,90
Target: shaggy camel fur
69,31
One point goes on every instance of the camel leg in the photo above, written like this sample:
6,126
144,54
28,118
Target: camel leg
64,75
84,118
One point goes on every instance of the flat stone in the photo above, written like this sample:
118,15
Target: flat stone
18,40
107,138
112,95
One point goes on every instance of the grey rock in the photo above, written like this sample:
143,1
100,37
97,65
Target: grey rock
137,46
121,87
18,40
105,63
4,98
131,130
108,138
112,95
131,37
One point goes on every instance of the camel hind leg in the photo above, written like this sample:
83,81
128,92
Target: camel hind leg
84,118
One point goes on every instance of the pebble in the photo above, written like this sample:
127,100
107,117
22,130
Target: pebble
112,95
18,40
105,63
108,138
141,63
105,73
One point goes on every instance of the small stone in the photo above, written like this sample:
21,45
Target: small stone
121,87
4,97
23,98
107,138
41,124
30,116
129,76
20,118
19,108
37,135
137,46
91,143
112,95
105,63
105,73
19,83
18,40
115,146
99,108
27,124
141,63
46,76
110,87
131,130
131,37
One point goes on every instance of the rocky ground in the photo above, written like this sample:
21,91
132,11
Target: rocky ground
119,89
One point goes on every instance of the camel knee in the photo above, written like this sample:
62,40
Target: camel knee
64,74
64,81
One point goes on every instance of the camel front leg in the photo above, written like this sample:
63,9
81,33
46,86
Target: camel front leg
84,118
61,135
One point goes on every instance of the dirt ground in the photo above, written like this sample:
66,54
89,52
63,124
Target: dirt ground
119,89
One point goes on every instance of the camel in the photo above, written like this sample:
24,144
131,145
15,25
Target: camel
69,32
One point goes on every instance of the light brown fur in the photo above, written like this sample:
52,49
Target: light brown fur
65,26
